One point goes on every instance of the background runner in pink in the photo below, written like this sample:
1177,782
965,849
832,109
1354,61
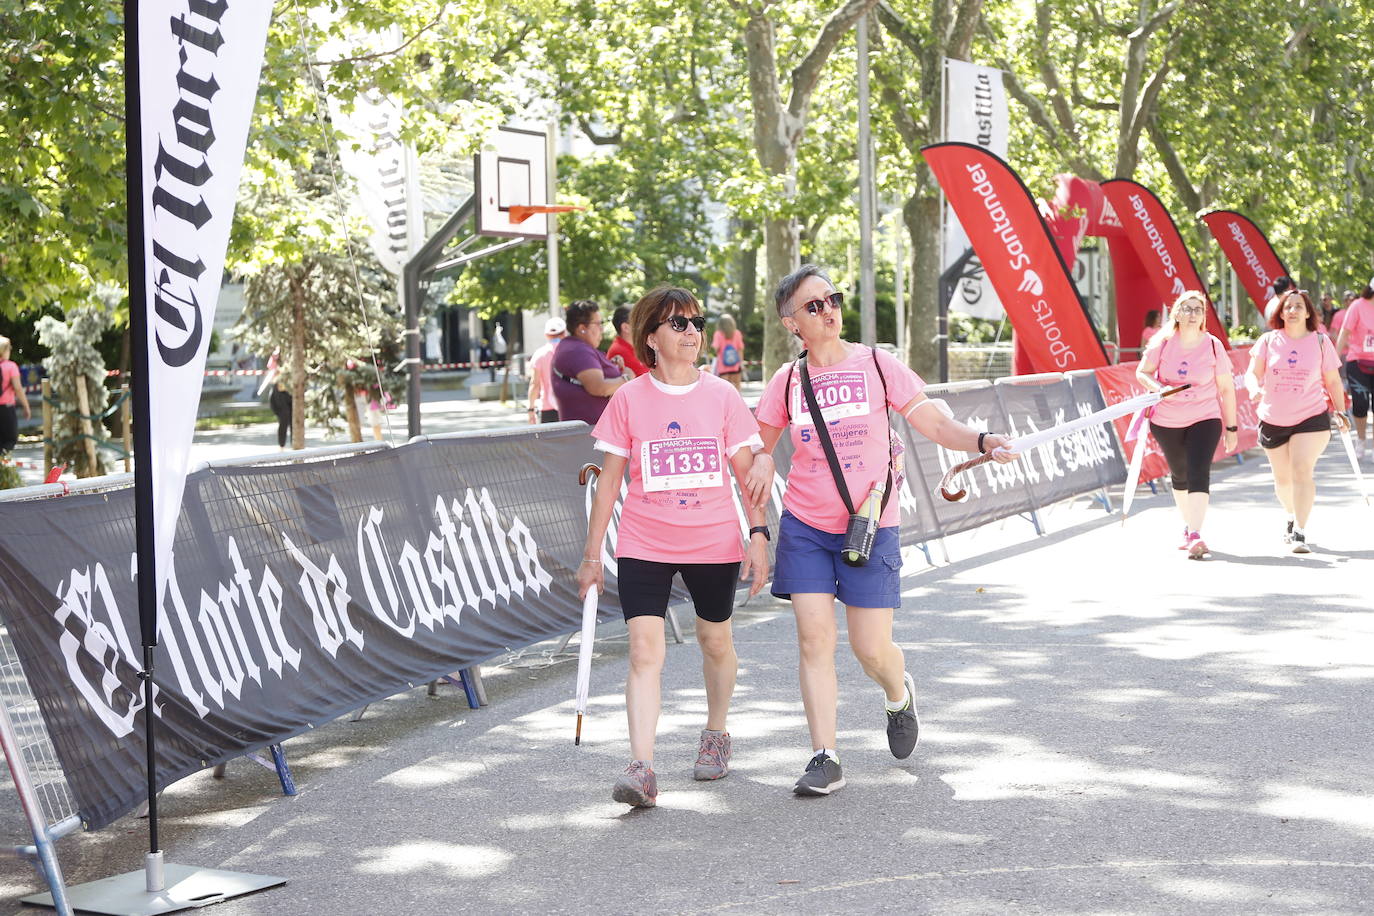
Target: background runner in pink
1198,365
1291,376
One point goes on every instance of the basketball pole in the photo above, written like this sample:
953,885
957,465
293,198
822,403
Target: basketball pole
551,242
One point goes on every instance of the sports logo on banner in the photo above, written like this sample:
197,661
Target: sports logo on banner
1020,257
199,66
1249,252
1154,236
975,112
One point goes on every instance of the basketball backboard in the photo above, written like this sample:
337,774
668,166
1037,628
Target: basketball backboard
512,170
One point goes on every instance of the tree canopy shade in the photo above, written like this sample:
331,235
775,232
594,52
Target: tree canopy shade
718,125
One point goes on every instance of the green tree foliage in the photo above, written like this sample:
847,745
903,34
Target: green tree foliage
78,375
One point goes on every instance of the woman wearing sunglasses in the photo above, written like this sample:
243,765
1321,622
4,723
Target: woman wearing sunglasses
1294,378
856,385
1189,424
680,432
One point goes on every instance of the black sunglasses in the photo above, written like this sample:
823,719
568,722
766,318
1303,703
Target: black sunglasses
679,323
816,306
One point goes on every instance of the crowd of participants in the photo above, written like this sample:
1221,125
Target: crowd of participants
681,435
1301,368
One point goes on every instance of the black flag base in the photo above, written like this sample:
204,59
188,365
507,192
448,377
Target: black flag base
183,887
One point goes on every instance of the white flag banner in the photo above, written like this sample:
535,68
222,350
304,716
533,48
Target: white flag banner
387,174
199,68
975,112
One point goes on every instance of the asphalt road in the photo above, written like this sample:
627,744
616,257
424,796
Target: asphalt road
1107,728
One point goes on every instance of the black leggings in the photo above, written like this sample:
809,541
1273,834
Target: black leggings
9,427
281,407
1189,451
1361,384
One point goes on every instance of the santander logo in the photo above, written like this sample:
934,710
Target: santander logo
1031,283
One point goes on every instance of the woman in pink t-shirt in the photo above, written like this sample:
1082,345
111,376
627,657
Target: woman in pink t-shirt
11,394
1356,342
1293,376
680,432
728,344
1189,424
853,387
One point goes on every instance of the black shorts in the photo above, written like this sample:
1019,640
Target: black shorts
1271,436
645,587
548,416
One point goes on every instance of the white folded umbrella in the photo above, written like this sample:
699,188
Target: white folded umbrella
584,657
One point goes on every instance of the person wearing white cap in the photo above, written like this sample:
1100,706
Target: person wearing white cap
543,408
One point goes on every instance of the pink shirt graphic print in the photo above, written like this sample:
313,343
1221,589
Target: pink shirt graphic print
850,395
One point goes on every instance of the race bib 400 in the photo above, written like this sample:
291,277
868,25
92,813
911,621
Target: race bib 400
838,394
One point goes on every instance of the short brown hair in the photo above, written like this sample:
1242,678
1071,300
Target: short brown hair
1276,316
654,308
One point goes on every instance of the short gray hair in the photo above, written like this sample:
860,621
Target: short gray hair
787,286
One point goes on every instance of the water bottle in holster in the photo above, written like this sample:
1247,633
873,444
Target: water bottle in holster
863,528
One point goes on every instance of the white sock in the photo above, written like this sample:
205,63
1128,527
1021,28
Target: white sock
1297,530
900,704
827,752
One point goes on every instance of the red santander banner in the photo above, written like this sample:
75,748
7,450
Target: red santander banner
1155,237
1249,252
1118,383
1020,257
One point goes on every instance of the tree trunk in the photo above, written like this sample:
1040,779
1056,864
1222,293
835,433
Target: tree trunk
781,255
921,214
297,363
748,276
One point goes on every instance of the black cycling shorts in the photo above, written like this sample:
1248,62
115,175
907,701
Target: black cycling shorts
645,587
1271,436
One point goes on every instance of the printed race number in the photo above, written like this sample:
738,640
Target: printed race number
681,464
838,394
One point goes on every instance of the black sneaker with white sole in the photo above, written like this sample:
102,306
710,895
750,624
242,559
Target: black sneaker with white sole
1300,542
823,776
903,727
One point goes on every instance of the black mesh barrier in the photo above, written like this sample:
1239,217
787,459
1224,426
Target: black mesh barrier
300,592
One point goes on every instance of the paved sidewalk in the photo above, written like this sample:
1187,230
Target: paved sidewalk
1108,728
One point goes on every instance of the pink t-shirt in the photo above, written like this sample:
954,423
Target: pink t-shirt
1197,366
541,362
9,370
1145,336
850,396
1291,375
718,343
680,507
1359,324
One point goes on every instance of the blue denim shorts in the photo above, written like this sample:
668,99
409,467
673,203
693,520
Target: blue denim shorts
807,561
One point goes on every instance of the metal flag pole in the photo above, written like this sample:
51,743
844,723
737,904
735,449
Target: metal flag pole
143,483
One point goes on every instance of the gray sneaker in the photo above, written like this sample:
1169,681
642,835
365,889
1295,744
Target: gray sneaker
637,786
903,727
713,756
823,776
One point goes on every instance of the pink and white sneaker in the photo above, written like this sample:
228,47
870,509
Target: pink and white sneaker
1188,537
637,786
1197,550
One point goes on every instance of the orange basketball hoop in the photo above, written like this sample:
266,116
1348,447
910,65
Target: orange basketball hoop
521,212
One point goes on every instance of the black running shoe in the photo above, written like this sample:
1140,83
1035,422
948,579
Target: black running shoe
1300,543
1288,535
903,727
823,776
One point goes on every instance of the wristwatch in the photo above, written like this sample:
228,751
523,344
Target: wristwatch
761,529
1231,429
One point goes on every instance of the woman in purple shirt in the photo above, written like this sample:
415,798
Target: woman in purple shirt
583,378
